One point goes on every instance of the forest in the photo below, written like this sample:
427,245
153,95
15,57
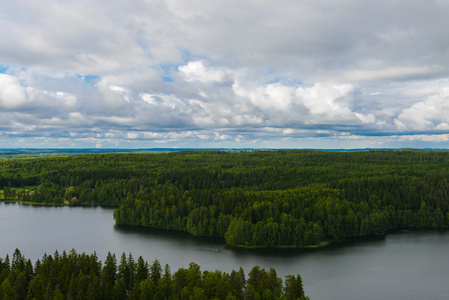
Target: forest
283,198
82,276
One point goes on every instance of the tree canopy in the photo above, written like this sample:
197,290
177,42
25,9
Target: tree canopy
285,198
82,276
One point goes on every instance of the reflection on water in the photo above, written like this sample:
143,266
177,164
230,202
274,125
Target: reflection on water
403,265
183,239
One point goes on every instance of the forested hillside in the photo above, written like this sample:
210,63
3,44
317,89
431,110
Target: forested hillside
257,198
81,276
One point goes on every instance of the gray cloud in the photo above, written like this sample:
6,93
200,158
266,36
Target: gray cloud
224,73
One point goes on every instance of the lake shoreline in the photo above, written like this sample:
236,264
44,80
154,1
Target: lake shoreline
406,264
322,244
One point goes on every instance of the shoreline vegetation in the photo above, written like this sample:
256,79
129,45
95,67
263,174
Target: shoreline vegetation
82,276
252,199
322,244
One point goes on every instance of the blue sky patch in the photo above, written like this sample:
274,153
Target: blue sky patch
187,56
90,79
273,81
3,69
272,78
166,72
292,83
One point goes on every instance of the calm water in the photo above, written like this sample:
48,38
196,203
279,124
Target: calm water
403,265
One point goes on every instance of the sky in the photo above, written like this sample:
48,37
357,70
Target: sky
224,74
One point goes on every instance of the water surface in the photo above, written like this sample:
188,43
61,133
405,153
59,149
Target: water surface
403,265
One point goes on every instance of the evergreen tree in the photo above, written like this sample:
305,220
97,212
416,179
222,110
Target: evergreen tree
293,287
155,271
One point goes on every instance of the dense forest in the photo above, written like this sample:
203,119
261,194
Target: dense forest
81,276
291,198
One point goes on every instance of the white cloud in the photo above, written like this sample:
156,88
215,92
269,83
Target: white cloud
196,71
430,114
117,88
369,118
442,126
272,97
69,100
226,72
426,137
148,98
12,94
132,135
326,99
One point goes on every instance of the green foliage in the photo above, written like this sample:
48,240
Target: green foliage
251,199
81,276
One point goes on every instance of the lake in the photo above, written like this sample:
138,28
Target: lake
402,265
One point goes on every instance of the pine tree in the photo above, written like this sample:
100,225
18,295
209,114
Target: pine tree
155,271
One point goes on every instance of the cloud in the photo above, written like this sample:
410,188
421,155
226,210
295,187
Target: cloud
305,38
271,97
196,71
12,94
428,115
389,73
330,101
322,103
74,37
426,137
224,72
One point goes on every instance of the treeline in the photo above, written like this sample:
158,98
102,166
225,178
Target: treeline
295,217
81,276
258,198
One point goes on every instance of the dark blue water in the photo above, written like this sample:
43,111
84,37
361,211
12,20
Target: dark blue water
402,265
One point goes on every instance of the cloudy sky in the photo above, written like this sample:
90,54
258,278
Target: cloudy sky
198,73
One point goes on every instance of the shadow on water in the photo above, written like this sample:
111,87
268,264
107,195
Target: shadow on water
173,236
219,243
332,249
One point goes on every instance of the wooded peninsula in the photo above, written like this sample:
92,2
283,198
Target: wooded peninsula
284,198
